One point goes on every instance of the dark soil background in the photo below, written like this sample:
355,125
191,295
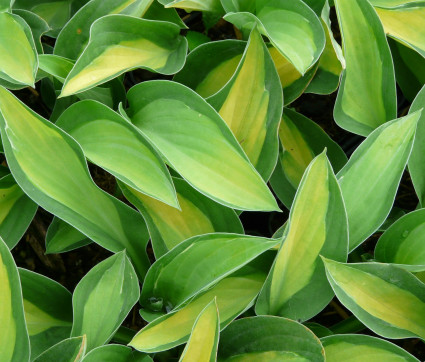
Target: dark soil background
68,268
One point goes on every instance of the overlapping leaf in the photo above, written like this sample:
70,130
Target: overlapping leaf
69,350
301,140
354,347
119,43
197,143
195,265
111,284
107,139
234,295
292,27
169,226
251,105
14,340
18,63
115,353
268,338
48,311
203,341
388,300
297,287
50,167
370,179
364,102
16,211
403,243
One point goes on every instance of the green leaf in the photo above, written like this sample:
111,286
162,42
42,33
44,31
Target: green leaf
234,295
194,5
14,342
297,286
354,347
54,12
203,341
268,338
55,65
156,11
251,105
417,158
364,102
16,211
292,27
403,243
18,63
50,167
130,43
404,24
5,5
197,143
48,311
115,353
75,34
370,179
388,300
195,265
62,237
69,350
38,27
111,142
111,284
169,226
409,69
301,140
326,79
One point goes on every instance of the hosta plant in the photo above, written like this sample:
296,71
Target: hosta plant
163,196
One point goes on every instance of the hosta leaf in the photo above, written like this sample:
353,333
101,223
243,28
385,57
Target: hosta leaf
403,243
197,143
210,66
316,5
388,300
297,287
391,3
203,341
18,63
234,295
404,24
55,65
301,140
75,34
130,43
107,139
50,167
251,105
354,347
370,179
16,211
194,5
364,102
62,237
268,338
5,5
198,215
111,284
115,353
195,265
292,27
48,311
409,69
37,25
14,342
326,79
69,350
417,158
55,12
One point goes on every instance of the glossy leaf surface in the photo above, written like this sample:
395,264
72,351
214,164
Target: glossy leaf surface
111,284
197,143
296,286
